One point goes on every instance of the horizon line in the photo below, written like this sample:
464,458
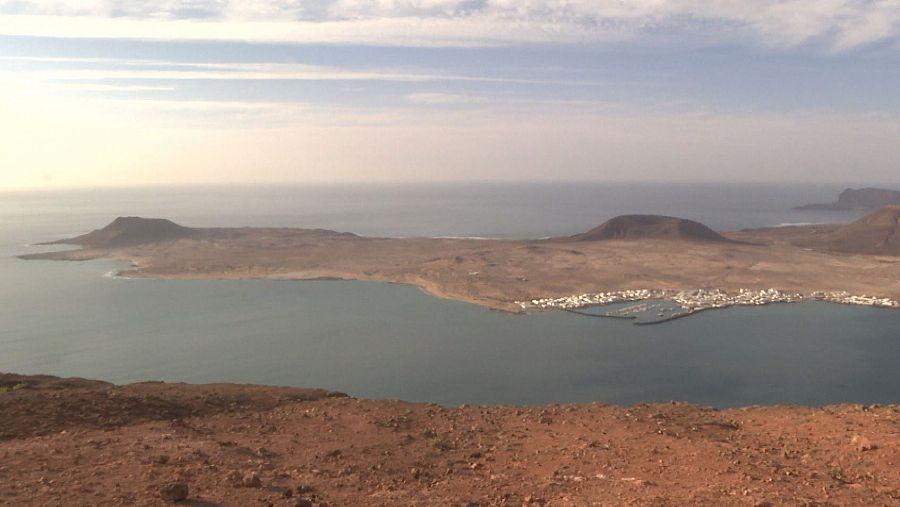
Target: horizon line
500,181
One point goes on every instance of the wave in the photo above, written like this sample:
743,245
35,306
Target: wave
480,238
797,224
115,275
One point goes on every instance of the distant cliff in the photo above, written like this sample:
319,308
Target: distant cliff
877,233
858,199
630,227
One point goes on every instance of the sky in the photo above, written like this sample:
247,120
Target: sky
137,92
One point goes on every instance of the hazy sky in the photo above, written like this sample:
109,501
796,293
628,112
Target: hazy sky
111,92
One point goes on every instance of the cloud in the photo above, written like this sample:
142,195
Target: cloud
444,99
103,69
425,32
96,87
93,139
838,25
497,105
817,146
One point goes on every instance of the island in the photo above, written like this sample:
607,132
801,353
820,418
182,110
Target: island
626,259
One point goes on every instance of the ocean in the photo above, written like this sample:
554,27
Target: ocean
390,341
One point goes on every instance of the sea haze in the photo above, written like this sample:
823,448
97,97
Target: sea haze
389,341
505,210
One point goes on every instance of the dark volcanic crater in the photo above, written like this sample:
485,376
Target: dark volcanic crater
635,227
130,231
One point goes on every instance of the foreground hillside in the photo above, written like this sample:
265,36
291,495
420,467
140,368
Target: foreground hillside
79,442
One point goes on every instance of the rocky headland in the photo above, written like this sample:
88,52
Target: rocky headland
877,233
858,199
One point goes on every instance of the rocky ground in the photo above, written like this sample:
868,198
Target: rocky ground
73,442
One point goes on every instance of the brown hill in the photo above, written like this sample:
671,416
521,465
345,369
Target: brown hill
876,233
82,442
630,227
863,198
129,231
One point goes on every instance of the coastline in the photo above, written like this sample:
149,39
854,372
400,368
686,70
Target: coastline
600,298
566,303
516,276
698,270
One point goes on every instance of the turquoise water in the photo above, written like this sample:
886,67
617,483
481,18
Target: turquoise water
390,341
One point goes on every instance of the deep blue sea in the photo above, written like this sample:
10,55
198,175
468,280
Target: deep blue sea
391,341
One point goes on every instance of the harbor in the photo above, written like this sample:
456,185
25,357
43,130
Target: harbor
656,306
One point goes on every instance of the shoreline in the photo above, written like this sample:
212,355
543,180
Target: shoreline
508,275
834,297
565,303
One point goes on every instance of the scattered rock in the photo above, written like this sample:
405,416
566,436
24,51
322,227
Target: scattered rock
494,456
174,491
251,480
234,477
863,444
533,500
